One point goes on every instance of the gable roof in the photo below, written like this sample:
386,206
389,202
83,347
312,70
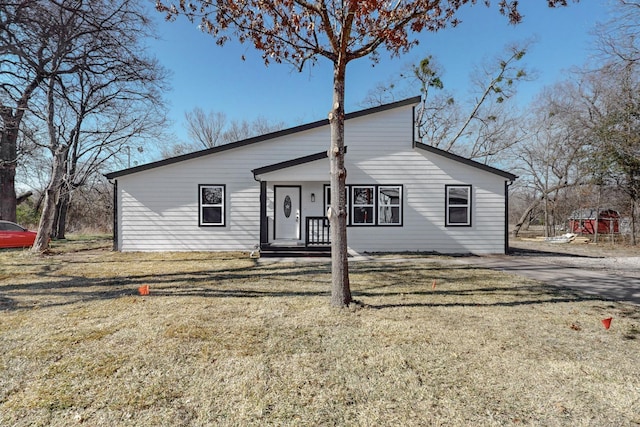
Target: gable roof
323,155
261,138
469,162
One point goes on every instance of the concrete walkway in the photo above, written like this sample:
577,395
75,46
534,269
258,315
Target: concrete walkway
611,278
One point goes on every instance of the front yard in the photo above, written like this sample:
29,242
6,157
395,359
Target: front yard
225,340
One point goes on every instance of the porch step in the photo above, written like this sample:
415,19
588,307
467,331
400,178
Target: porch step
295,251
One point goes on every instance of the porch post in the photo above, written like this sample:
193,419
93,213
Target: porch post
264,226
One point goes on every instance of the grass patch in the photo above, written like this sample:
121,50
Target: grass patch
225,340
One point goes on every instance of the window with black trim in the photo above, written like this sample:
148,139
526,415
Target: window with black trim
458,205
211,205
363,205
371,205
389,205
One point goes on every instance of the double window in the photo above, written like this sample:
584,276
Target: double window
458,205
373,205
211,205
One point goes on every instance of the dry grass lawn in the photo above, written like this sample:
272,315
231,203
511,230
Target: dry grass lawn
225,340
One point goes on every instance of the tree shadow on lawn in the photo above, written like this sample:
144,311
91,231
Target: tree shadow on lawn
493,296
400,285
445,289
540,252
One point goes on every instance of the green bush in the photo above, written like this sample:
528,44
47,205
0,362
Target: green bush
27,215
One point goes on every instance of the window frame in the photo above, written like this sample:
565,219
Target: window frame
468,205
390,205
222,206
372,205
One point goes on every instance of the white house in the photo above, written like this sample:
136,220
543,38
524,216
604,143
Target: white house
273,191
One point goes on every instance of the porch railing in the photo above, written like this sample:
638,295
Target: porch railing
318,233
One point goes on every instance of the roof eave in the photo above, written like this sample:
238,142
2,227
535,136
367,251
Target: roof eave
289,163
507,175
301,128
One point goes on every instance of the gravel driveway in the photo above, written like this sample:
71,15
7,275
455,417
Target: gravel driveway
609,272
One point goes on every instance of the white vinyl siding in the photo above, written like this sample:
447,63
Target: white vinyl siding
158,209
424,176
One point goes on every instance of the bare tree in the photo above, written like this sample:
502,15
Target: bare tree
554,157
617,129
110,111
92,207
211,129
616,94
239,130
599,107
205,129
618,39
479,128
28,56
300,31
585,137
109,94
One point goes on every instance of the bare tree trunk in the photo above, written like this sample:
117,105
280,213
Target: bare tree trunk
8,158
340,289
7,190
524,217
58,169
9,129
60,223
45,227
546,216
633,222
597,216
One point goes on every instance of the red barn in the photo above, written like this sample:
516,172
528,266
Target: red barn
583,221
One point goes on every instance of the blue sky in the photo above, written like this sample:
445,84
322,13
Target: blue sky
216,79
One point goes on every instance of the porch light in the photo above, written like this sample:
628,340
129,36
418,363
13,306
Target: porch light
313,197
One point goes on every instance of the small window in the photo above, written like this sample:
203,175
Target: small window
212,205
389,205
363,205
458,209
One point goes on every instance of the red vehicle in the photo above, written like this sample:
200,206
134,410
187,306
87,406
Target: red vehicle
14,236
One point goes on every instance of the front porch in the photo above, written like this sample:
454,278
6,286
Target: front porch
317,242
293,202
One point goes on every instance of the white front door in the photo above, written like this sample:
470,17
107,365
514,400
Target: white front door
287,213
